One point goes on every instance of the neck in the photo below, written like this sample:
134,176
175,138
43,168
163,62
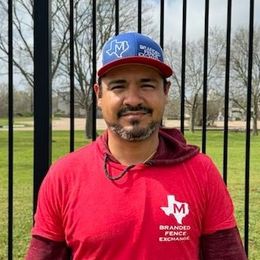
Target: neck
131,153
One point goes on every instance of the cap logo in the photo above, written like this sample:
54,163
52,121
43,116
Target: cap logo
117,48
149,52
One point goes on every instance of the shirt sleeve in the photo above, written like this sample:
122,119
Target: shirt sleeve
48,217
219,213
225,244
44,249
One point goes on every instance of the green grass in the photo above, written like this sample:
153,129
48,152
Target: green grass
23,172
236,179
17,121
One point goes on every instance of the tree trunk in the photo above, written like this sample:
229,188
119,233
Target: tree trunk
89,119
255,130
255,115
192,120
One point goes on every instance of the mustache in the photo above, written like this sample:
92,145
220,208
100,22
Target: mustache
139,108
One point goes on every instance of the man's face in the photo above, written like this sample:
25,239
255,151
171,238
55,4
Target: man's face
132,99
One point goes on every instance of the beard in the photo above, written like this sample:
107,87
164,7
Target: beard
134,133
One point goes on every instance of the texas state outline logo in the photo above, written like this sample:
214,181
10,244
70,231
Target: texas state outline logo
177,209
117,48
179,231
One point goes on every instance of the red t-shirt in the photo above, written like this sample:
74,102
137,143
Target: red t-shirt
153,212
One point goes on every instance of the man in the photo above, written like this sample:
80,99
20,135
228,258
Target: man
139,191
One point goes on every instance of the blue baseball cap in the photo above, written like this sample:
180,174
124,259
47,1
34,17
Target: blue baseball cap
132,47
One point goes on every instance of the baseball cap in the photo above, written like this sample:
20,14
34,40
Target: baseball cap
132,47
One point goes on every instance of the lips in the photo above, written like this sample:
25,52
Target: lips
134,113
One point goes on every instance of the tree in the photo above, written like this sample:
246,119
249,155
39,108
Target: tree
22,39
3,100
239,73
21,102
195,70
83,22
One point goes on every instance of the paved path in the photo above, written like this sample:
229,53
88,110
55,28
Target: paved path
64,124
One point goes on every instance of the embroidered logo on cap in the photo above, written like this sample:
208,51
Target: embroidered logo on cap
149,52
117,48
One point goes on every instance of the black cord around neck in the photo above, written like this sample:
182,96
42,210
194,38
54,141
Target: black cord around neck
114,178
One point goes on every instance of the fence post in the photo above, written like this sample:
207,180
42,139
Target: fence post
42,92
248,121
10,131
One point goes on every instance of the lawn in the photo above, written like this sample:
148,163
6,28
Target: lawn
17,122
23,165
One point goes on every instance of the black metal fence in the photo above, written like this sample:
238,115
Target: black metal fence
43,88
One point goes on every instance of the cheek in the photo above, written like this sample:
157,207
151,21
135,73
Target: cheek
159,107
99,103
109,106
158,102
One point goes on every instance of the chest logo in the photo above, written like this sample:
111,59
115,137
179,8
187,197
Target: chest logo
177,209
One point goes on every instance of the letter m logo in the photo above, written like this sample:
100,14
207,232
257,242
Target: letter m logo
117,48
176,208
179,208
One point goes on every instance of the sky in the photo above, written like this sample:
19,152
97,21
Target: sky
195,16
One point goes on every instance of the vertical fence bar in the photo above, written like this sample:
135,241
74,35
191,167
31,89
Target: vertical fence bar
162,27
42,92
162,23
72,86
183,63
205,78
248,123
10,129
94,70
139,16
117,17
226,106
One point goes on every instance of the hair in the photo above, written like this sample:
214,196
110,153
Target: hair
99,82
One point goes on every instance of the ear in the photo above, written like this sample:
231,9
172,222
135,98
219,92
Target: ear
97,89
167,87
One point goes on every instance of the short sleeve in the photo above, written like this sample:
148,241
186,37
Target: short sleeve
48,217
219,213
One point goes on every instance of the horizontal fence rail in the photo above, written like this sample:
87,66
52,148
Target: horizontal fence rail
42,156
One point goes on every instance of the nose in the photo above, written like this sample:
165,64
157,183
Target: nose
133,97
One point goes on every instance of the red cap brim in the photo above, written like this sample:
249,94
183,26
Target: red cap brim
164,69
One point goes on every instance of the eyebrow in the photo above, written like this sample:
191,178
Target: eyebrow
148,80
122,81
117,81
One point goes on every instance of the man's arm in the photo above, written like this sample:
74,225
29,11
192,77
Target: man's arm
222,245
44,249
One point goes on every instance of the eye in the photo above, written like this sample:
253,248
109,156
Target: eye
117,87
148,86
